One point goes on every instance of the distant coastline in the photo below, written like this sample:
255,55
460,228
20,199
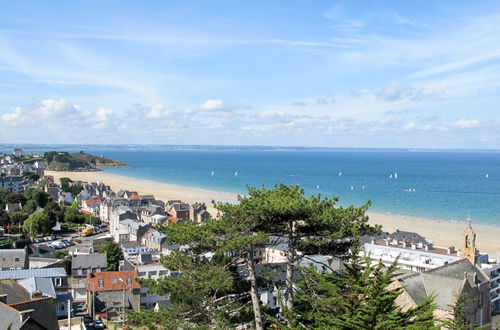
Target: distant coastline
62,147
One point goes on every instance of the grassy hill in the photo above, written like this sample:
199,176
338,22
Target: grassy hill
64,161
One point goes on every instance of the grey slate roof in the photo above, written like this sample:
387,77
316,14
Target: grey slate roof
27,273
8,258
95,260
445,282
43,284
14,291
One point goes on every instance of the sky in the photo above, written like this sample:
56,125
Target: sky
384,74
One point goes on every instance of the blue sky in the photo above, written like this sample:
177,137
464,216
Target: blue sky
309,73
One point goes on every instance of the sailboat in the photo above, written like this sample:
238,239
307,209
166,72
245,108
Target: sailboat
487,176
317,186
352,188
340,173
236,173
213,173
396,175
363,187
390,176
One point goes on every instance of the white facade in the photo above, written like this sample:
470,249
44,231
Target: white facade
411,258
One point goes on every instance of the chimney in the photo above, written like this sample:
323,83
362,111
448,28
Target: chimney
37,294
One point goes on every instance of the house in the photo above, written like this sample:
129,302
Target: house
153,239
447,282
13,207
21,310
157,219
148,268
111,292
57,279
198,212
92,205
178,209
149,211
81,265
136,229
65,198
53,191
14,259
415,253
14,184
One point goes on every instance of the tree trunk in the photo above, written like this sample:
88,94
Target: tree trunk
254,291
289,268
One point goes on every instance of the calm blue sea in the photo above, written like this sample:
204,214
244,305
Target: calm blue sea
447,185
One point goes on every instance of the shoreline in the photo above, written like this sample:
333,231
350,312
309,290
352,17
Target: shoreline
442,232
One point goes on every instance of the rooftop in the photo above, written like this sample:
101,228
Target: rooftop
112,281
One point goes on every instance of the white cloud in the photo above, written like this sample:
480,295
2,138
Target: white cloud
158,111
411,125
466,123
103,114
14,116
60,107
212,105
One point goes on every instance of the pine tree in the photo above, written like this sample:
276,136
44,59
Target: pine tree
359,297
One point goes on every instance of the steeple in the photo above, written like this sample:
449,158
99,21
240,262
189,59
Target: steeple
469,250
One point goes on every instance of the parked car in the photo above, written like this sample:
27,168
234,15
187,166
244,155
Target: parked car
98,324
80,308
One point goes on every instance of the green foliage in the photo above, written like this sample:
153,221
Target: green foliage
75,189
65,183
30,206
61,254
459,320
39,196
18,217
73,215
32,176
37,223
360,297
203,299
114,255
12,198
75,204
43,183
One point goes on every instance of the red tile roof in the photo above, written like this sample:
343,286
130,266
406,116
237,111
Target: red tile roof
111,281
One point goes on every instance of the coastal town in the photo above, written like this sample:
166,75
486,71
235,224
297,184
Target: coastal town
79,255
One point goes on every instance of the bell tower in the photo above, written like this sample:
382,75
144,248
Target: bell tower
469,251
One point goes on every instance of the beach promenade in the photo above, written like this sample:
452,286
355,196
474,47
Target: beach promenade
443,233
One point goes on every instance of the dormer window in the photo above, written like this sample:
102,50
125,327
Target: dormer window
101,283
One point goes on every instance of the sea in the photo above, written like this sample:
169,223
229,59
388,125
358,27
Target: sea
434,184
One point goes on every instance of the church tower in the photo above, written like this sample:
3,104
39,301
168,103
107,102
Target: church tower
469,251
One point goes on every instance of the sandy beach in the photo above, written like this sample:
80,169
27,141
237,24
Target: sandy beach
443,233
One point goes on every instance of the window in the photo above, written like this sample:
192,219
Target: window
129,281
58,281
142,273
101,283
113,280
152,273
16,259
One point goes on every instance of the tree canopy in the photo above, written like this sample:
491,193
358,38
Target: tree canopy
37,223
114,255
